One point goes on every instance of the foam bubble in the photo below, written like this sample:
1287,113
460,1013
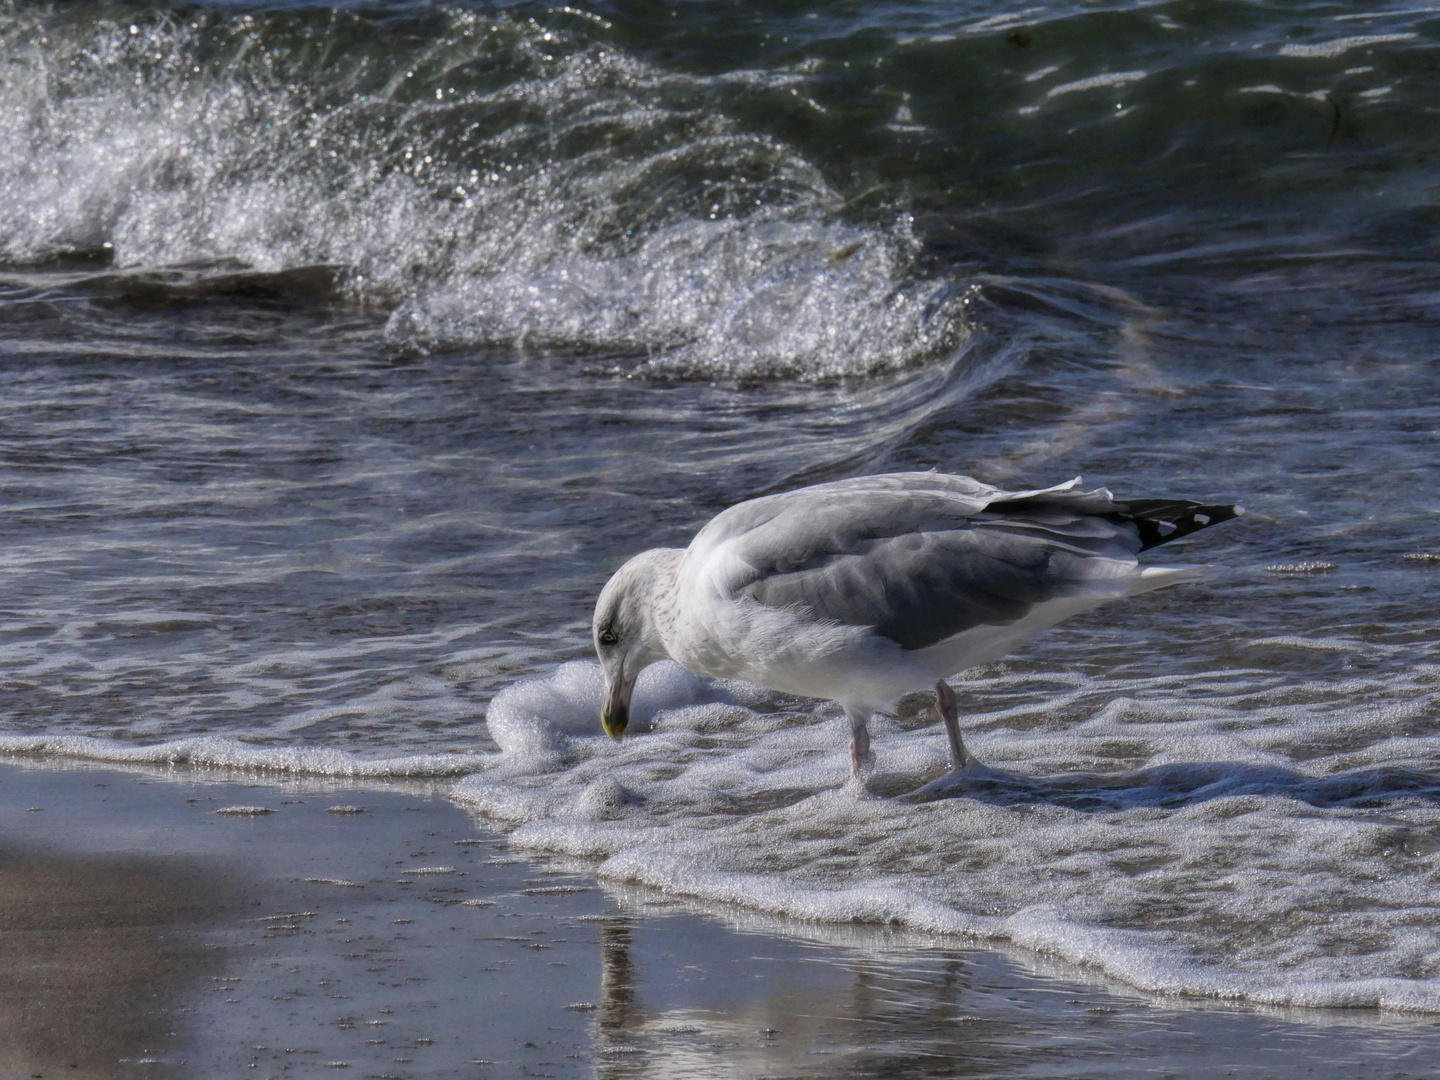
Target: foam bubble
533,721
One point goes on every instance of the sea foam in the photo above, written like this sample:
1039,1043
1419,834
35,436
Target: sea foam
223,752
1212,864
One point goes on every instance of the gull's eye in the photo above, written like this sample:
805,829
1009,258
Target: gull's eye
607,637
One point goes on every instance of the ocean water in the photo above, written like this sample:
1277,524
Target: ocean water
345,350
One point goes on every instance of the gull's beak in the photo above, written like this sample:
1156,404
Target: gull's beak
615,713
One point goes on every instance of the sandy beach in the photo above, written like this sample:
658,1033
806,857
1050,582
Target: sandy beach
177,923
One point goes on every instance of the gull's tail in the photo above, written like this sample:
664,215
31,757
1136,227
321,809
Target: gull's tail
1159,577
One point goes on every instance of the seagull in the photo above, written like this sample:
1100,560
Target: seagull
863,590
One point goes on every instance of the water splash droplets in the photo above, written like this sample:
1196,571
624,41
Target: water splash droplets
561,193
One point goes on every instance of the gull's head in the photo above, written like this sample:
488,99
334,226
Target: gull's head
626,639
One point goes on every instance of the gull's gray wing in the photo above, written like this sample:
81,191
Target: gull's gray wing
920,588
919,557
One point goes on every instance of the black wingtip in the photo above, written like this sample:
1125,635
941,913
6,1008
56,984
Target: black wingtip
1161,520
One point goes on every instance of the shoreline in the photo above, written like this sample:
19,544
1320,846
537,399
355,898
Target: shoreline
377,929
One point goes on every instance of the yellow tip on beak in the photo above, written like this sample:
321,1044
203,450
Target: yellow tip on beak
614,725
615,713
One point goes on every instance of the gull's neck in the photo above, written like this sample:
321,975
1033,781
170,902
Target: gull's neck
654,588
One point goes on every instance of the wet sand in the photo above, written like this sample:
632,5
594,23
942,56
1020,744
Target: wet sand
380,931
95,949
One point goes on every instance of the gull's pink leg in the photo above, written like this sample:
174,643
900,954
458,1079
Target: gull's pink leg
945,706
859,742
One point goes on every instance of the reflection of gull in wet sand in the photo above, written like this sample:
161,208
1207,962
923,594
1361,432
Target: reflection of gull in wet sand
865,589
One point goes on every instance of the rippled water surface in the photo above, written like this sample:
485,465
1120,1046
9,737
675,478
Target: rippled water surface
345,351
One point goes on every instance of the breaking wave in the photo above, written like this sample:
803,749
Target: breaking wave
502,182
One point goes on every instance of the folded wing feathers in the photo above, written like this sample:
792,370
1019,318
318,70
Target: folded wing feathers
922,588
924,556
